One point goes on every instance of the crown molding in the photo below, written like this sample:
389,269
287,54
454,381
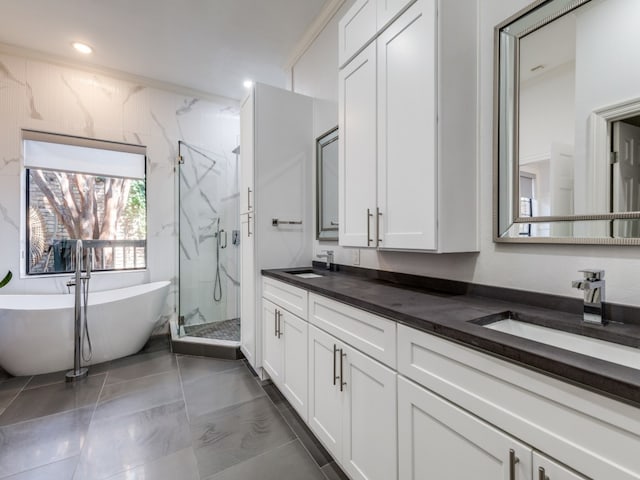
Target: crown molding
38,55
320,22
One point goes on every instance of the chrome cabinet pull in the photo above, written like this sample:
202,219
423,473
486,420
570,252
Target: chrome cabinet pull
542,474
369,239
335,349
513,460
248,224
249,207
378,215
275,322
342,384
279,323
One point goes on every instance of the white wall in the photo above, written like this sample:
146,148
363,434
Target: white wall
42,96
543,268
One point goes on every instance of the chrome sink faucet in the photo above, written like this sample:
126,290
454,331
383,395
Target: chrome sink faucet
328,254
593,287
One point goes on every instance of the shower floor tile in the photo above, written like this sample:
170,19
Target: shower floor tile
163,416
224,330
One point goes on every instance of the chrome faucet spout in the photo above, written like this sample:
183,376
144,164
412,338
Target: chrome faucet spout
593,287
328,254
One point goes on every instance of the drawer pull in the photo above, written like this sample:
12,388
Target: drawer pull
275,322
378,215
369,239
542,474
513,460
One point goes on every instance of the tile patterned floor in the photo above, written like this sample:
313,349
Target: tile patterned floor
155,415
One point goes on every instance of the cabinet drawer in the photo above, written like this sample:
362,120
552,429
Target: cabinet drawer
287,296
369,333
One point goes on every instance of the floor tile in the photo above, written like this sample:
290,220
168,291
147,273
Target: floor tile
39,442
10,388
117,444
52,399
308,439
157,343
124,398
192,368
181,465
287,462
142,365
60,377
237,433
213,392
333,472
62,470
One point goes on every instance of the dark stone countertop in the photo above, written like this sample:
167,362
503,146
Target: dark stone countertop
448,310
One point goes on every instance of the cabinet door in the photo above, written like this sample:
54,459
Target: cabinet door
370,421
546,469
247,139
247,291
357,152
355,29
438,440
272,346
294,344
407,173
325,398
387,9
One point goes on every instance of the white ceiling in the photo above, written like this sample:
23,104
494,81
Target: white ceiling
206,45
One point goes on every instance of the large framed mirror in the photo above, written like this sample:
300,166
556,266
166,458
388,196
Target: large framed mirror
567,123
327,185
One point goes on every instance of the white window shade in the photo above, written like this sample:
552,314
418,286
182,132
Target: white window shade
83,159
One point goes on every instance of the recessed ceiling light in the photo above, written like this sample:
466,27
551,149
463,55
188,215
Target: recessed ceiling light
248,83
82,47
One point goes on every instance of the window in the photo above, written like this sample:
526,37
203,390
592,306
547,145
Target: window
84,189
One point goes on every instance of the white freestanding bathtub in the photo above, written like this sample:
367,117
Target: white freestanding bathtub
36,331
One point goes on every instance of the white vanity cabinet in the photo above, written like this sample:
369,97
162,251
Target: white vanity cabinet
285,341
407,154
352,407
462,392
276,159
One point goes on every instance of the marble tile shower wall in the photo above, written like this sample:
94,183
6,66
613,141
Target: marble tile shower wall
47,97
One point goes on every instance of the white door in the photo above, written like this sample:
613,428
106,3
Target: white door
356,28
272,346
546,469
357,154
247,138
626,176
294,342
325,398
370,421
561,191
387,10
407,173
437,440
247,290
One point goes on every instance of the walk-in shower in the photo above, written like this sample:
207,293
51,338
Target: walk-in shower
209,254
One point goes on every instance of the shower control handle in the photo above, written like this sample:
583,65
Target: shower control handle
225,238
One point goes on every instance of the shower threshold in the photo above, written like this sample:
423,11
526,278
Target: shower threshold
223,330
204,346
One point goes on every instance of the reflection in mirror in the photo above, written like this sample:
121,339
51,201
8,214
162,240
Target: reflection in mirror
568,123
327,185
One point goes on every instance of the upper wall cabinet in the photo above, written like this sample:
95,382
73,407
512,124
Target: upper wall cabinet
407,116
363,22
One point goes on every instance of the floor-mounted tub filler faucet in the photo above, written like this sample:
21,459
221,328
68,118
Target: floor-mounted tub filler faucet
328,254
76,281
593,287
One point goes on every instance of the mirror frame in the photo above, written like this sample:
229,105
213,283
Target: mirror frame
506,133
323,232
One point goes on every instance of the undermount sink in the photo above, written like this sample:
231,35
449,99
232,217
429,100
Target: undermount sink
305,274
593,347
